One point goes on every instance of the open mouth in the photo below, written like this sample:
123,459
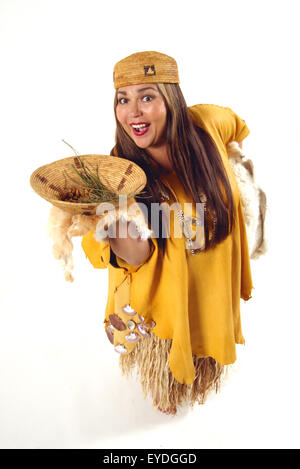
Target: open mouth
140,129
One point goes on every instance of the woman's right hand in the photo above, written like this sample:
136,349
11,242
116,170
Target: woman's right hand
127,244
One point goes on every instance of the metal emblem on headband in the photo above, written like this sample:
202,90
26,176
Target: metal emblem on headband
149,70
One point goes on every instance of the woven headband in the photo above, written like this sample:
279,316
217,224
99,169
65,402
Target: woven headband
145,67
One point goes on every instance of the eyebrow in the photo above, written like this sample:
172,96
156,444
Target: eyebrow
139,91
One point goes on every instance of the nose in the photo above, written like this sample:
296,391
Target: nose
135,108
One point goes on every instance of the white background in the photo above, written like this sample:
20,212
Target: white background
60,382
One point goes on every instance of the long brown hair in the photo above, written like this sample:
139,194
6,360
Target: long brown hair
196,161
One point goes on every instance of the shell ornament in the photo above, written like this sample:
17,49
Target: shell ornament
134,328
128,310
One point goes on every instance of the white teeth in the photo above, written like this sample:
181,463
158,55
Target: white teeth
138,126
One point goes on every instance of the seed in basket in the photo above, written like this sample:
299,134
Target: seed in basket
73,195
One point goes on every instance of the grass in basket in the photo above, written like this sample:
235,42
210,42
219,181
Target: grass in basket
90,189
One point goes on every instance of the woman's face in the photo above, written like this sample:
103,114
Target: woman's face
142,113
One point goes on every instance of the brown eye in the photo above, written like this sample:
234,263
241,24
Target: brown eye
147,98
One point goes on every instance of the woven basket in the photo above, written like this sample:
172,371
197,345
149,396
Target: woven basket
117,175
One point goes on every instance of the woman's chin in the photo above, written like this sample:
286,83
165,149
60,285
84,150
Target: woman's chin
140,143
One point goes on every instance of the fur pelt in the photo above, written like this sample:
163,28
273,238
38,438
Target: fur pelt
59,223
253,198
130,213
62,226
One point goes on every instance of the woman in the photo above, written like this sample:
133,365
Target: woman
173,309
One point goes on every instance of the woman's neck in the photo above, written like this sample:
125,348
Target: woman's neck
161,156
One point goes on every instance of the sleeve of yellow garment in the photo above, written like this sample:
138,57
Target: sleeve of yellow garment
221,121
231,126
97,252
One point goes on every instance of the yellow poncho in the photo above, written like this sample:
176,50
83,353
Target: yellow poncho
193,299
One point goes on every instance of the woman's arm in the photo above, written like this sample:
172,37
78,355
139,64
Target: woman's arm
132,249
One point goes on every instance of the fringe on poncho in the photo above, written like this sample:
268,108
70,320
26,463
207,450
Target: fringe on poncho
150,361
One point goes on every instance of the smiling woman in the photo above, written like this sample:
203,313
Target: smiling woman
143,115
173,309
